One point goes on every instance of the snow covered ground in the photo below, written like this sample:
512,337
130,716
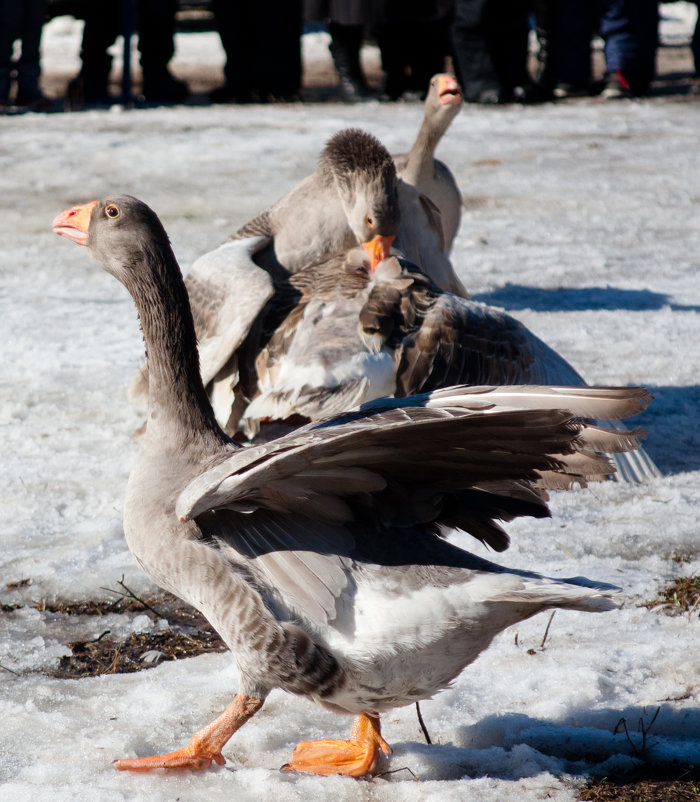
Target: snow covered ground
582,220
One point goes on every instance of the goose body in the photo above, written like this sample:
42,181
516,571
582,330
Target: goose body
317,556
356,333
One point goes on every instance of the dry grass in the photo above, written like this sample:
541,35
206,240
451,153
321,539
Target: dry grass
188,635
681,596
641,791
106,656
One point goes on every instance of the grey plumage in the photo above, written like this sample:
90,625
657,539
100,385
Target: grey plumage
431,177
291,547
423,338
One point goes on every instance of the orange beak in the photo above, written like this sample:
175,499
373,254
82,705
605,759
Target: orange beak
449,91
73,223
378,249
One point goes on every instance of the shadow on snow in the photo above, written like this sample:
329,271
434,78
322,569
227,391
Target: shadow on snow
627,741
513,297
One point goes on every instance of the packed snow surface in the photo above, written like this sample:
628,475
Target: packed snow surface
582,220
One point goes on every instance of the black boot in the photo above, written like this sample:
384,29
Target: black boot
88,89
28,93
161,86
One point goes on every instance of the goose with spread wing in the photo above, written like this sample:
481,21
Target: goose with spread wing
357,330
318,557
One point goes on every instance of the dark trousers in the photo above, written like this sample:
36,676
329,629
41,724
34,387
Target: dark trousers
629,31
490,44
413,37
155,21
695,41
262,41
21,19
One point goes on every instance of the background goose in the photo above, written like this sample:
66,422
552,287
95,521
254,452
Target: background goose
351,198
351,334
419,167
316,556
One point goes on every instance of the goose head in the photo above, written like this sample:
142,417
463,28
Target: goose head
364,176
118,230
444,94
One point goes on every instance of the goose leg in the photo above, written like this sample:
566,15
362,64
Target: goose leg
205,745
356,757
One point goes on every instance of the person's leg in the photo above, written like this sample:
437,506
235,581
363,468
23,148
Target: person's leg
234,21
624,26
10,11
428,46
28,65
346,42
391,43
156,25
471,52
102,25
506,26
695,42
545,12
575,22
278,51
645,19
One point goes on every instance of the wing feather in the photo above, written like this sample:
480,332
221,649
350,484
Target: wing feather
443,442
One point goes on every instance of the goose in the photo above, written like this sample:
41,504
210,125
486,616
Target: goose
353,331
318,557
351,198
420,169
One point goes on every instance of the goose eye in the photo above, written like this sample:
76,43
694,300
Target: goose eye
112,211
369,220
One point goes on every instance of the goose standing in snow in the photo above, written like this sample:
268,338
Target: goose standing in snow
419,167
317,556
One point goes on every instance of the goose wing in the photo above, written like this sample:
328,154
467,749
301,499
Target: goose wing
304,512
453,340
432,446
457,341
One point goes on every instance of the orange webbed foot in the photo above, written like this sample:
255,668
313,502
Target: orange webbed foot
186,758
356,757
205,746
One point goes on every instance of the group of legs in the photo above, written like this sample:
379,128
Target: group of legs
488,40
490,46
263,60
